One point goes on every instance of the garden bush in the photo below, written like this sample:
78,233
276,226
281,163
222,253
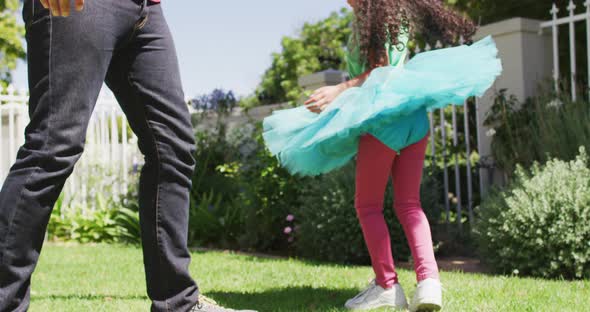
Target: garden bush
548,126
109,222
328,227
100,217
241,197
214,221
540,224
270,196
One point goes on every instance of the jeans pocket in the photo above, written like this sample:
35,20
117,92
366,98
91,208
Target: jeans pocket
34,12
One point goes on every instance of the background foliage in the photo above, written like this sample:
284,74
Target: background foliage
319,46
11,35
541,128
540,224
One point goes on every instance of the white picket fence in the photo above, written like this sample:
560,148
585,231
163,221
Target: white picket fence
111,151
570,20
453,197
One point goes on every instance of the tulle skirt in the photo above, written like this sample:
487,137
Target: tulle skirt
391,105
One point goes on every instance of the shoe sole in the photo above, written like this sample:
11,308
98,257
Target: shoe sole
377,306
428,307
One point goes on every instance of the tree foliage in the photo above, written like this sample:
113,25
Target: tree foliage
490,11
218,100
11,34
319,46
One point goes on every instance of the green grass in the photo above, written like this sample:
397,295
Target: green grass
110,278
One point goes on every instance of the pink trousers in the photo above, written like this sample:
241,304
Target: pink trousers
376,163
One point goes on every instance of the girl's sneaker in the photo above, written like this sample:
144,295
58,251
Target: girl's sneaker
376,296
428,296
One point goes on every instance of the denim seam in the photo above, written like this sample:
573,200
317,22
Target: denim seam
158,178
158,217
47,136
10,231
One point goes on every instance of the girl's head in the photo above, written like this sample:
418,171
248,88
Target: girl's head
380,21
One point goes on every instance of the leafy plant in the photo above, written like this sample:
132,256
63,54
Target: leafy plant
214,224
329,227
86,227
103,219
11,43
269,193
537,130
540,225
319,46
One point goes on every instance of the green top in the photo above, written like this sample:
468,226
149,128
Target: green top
405,130
397,54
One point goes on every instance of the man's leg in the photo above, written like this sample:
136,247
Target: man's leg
67,60
146,81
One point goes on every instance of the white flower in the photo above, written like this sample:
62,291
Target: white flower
515,272
556,103
490,133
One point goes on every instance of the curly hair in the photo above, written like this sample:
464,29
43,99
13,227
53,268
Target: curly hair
381,21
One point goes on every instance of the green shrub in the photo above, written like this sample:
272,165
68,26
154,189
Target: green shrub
85,226
243,199
240,195
541,128
214,222
328,226
540,225
103,220
127,213
268,195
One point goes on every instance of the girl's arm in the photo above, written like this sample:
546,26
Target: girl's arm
357,81
324,96
360,79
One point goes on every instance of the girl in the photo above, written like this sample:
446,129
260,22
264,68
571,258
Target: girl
380,115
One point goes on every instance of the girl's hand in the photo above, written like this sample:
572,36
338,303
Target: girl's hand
323,97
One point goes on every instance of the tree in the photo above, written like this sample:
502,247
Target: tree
218,101
319,46
490,11
11,34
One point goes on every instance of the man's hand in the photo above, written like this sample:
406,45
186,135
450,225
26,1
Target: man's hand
62,7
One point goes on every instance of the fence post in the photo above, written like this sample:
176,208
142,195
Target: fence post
527,58
443,133
571,8
555,42
457,171
587,5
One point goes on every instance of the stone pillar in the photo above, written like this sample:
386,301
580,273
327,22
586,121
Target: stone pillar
328,77
527,58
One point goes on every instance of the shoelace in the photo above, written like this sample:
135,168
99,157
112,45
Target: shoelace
203,299
364,292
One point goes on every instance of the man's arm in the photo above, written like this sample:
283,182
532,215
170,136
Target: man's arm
61,7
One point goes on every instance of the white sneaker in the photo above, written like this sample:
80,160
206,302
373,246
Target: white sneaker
428,296
376,296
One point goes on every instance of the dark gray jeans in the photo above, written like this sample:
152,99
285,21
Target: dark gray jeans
128,45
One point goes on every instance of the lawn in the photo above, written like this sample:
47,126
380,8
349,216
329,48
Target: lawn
110,278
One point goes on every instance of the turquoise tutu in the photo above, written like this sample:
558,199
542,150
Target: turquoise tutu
391,105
